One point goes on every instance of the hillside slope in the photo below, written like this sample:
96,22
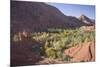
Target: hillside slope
38,16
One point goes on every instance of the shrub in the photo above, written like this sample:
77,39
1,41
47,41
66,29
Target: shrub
57,40
51,53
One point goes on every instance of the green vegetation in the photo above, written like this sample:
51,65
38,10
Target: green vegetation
57,40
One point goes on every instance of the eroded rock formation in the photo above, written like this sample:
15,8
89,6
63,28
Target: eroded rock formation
83,52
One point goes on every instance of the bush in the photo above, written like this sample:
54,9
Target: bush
51,53
57,40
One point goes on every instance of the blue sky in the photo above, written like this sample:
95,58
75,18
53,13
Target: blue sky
75,10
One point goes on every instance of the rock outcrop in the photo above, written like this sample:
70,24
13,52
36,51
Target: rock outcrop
86,20
82,53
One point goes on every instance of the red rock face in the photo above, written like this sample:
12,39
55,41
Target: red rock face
83,52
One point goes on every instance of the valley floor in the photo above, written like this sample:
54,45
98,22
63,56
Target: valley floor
54,47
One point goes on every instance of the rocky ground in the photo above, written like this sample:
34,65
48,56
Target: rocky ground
82,53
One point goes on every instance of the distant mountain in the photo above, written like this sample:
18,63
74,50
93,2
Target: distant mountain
86,20
38,16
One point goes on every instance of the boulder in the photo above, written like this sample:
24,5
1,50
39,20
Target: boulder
82,53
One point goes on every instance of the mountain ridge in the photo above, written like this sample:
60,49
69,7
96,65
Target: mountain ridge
38,16
86,20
